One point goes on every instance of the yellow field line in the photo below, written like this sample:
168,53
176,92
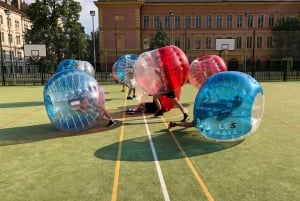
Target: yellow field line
19,118
191,166
282,122
114,194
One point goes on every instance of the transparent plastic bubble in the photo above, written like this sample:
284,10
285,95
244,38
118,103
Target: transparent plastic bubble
76,64
204,67
70,98
123,69
162,70
229,106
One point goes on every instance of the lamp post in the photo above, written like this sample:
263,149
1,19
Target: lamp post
7,12
3,69
172,14
246,42
105,53
116,38
92,13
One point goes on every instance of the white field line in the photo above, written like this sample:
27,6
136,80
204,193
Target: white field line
158,169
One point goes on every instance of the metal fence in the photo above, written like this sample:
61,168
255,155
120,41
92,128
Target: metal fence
10,79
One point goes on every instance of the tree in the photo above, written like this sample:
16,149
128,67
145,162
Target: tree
287,38
56,24
160,39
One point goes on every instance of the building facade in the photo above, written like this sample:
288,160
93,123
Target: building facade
195,26
13,25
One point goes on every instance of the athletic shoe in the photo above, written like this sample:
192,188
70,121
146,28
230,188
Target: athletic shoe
129,98
130,111
171,125
111,123
185,116
159,113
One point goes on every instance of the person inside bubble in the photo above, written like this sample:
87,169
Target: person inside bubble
171,95
82,104
103,112
220,109
130,83
147,107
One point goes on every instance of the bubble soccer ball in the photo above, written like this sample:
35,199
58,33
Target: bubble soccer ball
162,70
76,64
204,67
229,106
70,97
124,68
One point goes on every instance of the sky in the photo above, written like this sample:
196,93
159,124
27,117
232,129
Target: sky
85,17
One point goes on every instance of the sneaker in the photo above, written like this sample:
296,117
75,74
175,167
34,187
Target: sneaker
171,125
130,111
129,98
133,96
185,116
159,113
111,123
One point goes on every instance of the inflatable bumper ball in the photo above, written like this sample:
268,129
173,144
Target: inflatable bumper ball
70,97
229,106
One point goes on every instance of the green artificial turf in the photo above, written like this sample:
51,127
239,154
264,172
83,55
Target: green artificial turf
39,162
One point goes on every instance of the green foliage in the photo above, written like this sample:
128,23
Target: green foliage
56,24
287,38
160,39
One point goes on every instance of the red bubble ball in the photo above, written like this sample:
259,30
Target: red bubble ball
162,70
204,67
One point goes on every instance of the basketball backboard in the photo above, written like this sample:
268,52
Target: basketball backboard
34,50
225,44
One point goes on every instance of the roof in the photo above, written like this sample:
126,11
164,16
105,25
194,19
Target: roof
209,1
13,9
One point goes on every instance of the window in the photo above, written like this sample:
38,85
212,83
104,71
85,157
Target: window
177,21
146,22
198,21
156,22
238,42
17,24
1,19
10,38
208,42
239,21
219,21
249,20
281,19
259,42
229,21
9,22
187,21
2,36
271,20
187,43
168,22
260,21
198,43
208,21
18,40
269,42
249,42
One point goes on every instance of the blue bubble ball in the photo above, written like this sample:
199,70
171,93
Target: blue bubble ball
123,65
70,97
68,64
229,106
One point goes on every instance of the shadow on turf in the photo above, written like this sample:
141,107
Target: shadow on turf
21,104
138,149
27,134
